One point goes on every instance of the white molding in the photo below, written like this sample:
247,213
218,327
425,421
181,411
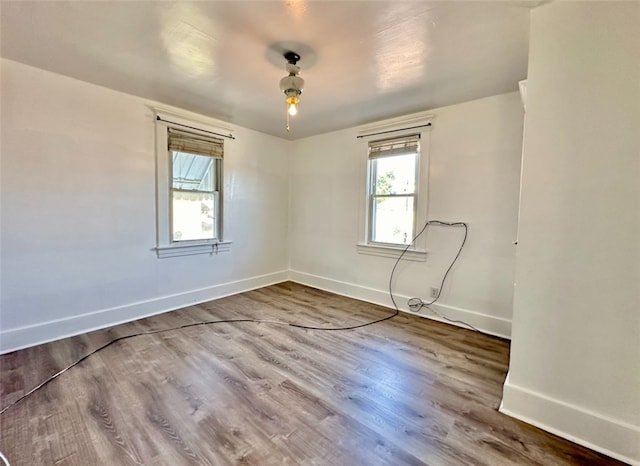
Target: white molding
522,85
612,437
392,252
165,247
24,337
398,123
490,324
190,249
422,189
184,117
27,336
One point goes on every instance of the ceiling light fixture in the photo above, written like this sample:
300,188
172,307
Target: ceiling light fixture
292,85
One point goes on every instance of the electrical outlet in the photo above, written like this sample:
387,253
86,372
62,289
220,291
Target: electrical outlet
434,292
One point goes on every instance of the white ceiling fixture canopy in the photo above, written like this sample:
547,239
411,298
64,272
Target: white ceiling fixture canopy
292,85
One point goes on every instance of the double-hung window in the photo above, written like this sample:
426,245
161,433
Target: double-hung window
196,167
189,184
394,176
394,186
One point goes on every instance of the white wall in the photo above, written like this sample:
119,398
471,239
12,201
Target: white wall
78,212
474,168
575,354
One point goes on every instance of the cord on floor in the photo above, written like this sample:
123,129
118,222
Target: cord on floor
412,302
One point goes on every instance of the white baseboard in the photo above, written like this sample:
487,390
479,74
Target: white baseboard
612,437
486,323
24,337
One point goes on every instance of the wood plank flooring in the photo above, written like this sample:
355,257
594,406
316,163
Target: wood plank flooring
407,391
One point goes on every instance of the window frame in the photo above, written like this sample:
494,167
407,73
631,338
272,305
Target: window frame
217,196
371,188
165,245
418,124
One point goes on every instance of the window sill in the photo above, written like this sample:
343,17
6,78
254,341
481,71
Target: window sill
389,251
186,249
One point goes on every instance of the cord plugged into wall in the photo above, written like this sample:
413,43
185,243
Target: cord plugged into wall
415,305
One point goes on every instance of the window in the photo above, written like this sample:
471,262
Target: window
196,163
189,184
393,182
394,179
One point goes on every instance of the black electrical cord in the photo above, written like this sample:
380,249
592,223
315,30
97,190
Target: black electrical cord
419,305
209,322
416,304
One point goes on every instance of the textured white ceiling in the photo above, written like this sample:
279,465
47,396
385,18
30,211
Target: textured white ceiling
362,60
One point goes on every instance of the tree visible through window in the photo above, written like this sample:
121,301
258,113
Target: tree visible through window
393,180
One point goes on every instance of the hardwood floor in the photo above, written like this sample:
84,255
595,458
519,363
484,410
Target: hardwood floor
407,391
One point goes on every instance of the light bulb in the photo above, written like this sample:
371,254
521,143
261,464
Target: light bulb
292,109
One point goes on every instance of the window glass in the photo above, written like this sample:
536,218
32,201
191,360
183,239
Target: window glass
392,220
193,216
192,172
393,181
194,199
396,175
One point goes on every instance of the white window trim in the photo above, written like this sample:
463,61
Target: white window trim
412,254
164,246
398,127
187,249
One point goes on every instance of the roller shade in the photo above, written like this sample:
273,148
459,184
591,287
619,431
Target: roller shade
182,141
396,146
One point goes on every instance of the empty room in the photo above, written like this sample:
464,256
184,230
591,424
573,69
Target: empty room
308,232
